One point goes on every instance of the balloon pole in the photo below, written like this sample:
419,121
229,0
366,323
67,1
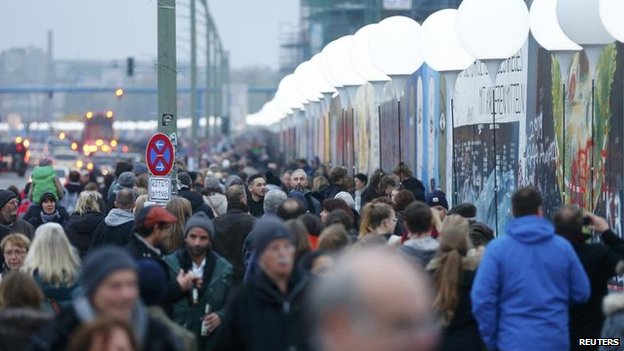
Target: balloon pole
593,135
399,114
353,138
495,159
379,133
455,185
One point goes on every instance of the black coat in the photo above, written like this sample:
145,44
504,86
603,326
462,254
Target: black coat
54,336
197,202
119,235
599,263
260,318
231,230
416,187
332,190
462,333
33,216
139,251
80,229
256,208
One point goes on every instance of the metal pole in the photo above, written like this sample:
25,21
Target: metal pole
452,129
593,135
167,96
353,137
379,134
208,84
213,85
400,155
563,132
194,124
495,160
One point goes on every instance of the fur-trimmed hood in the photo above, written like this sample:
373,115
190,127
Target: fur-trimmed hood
613,303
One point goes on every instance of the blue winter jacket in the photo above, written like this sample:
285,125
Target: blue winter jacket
524,285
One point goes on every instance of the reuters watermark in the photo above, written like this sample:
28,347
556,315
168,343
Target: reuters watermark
600,342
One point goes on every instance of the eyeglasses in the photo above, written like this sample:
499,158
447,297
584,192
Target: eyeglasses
10,253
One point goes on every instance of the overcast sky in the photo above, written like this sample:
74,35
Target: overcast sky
116,29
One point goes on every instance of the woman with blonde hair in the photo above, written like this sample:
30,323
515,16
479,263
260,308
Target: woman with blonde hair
378,219
453,275
181,208
88,214
54,264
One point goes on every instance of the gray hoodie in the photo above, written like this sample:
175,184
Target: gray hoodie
117,217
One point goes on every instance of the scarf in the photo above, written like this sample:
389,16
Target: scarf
54,217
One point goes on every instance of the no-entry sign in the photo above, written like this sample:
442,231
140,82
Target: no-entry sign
159,155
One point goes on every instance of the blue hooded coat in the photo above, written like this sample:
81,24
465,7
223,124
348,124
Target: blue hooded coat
524,286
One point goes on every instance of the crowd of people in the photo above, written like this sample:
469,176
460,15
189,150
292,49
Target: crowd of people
309,258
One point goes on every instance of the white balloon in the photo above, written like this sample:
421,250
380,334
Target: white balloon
440,45
361,58
492,29
395,46
580,21
326,64
545,27
611,13
340,63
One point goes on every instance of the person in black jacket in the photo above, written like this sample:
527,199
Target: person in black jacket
266,313
118,226
152,231
231,230
87,216
404,175
256,185
600,264
339,181
110,288
194,197
47,210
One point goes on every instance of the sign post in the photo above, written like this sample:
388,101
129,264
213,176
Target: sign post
160,160
167,95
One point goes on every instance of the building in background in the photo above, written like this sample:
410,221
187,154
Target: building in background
322,21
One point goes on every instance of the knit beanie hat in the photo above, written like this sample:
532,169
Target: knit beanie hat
100,263
139,168
127,179
47,195
212,183
266,230
199,220
152,278
346,197
6,196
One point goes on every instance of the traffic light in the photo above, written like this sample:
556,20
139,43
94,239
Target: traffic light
130,66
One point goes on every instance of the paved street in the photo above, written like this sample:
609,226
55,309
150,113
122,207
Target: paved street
11,178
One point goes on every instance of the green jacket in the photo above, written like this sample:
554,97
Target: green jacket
214,292
43,181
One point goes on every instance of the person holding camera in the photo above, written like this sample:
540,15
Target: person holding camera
600,263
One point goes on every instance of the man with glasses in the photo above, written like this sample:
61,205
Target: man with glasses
8,214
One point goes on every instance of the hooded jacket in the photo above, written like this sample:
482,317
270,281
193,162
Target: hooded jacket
80,229
260,318
43,181
35,217
421,249
116,229
524,285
